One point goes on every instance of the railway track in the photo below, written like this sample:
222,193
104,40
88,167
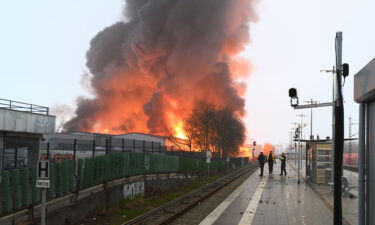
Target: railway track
170,211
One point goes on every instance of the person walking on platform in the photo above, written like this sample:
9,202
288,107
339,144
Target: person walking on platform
283,164
271,161
262,160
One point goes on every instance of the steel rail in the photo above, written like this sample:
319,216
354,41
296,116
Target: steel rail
216,184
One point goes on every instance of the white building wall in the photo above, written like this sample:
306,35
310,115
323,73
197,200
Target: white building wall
142,137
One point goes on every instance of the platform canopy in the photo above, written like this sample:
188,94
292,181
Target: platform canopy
364,83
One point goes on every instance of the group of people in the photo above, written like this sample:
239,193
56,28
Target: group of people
271,160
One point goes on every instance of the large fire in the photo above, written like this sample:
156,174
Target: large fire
149,72
267,147
179,130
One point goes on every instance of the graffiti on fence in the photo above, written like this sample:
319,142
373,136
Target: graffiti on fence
134,189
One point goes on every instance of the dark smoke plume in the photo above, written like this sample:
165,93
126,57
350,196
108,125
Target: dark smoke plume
152,68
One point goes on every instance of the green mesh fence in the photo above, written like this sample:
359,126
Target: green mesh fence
93,171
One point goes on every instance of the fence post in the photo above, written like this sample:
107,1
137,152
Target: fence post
110,145
134,145
123,144
15,157
47,150
93,148
5,191
144,146
152,146
159,148
74,149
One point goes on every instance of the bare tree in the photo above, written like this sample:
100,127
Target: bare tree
215,130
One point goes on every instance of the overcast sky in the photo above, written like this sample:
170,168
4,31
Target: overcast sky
43,45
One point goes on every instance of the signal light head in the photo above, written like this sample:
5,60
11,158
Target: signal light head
293,97
345,69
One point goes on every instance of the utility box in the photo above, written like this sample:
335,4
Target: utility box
364,93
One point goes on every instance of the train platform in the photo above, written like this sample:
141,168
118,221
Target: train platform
274,199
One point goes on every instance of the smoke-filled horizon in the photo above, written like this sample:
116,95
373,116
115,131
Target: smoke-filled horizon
148,71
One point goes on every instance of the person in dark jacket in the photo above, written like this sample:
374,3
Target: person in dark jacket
271,161
283,163
262,160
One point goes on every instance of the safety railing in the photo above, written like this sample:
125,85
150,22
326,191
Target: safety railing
25,107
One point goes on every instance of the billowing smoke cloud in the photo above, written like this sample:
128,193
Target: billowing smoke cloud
150,70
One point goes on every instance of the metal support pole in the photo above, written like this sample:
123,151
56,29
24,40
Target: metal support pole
134,145
152,146
361,166
333,121
295,153
43,207
15,157
93,148
106,146
144,145
367,165
339,134
3,151
311,123
74,150
300,147
299,155
48,151
123,145
110,145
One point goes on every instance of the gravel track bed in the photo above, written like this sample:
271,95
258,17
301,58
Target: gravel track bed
198,213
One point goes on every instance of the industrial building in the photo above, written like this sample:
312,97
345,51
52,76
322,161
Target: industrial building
22,126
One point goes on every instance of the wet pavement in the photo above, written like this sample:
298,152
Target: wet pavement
275,199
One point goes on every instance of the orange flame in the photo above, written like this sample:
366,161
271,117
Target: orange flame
179,130
151,87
